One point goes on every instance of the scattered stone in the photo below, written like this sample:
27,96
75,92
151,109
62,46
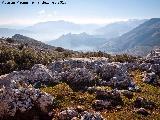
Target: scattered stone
107,100
16,93
127,94
75,118
91,116
101,105
80,109
112,95
74,114
135,89
91,90
68,114
143,103
142,111
151,78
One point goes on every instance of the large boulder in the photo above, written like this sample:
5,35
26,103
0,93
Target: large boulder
40,72
18,98
107,71
116,75
56,66
5,80
79,79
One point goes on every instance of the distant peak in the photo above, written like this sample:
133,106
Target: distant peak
17,35
152,21
58,21
155,19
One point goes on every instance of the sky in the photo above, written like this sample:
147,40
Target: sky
79,11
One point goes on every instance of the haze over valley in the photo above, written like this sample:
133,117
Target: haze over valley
136,37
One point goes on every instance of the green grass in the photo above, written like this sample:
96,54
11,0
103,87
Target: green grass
66,97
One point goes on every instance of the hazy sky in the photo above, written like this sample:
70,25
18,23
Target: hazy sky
79,11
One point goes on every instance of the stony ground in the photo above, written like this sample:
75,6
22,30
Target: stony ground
83,89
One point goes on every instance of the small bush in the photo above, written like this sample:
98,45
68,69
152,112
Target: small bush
10,40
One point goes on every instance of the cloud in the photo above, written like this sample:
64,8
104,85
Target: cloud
18,21
93,20
53,16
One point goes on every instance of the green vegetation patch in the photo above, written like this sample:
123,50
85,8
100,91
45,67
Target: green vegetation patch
66,97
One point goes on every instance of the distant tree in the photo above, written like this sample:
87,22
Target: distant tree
59,49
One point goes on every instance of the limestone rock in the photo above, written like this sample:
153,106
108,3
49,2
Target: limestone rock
142,102
68,114
91,116
142,111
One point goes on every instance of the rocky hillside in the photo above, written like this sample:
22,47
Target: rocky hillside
20,52
138,41
84,89
20,39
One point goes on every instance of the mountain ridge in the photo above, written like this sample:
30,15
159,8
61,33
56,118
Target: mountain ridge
80,42
147,34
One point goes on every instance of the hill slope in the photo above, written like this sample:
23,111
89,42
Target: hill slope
20,39
116,29
145,36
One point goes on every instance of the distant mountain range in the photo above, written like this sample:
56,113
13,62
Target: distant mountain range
85,42
53,29
117,29
138,41
136,37
81,41
61,27
50,30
